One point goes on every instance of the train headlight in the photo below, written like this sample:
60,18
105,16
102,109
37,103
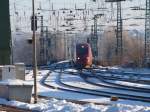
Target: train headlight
88,59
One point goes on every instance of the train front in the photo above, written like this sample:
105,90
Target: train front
83,55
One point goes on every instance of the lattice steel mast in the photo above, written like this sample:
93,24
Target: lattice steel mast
119,46
147,33
94,38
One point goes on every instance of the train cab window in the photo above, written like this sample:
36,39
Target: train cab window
82,50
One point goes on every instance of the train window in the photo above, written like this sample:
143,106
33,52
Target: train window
82,50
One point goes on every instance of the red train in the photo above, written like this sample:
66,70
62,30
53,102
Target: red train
83,55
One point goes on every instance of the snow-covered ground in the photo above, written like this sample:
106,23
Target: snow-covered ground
78,82
130,84
55,105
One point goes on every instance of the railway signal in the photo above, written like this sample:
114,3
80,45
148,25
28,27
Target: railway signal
34,23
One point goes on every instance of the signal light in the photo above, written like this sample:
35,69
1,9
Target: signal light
33,25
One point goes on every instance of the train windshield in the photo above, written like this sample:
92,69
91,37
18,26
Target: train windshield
82,50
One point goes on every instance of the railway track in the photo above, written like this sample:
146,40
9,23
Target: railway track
70,88
114,85
129,87
108,94
107,70
119,77
132,77
128,80
106,83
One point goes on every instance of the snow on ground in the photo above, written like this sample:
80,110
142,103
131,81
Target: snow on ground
13,82
71,70
65,94
133,74
77,81
55,105
44,91
130,70
129,84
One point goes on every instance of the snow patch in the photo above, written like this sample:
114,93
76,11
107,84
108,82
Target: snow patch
14,82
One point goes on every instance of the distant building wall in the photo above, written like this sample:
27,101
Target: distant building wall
59,46
56,48
22,47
